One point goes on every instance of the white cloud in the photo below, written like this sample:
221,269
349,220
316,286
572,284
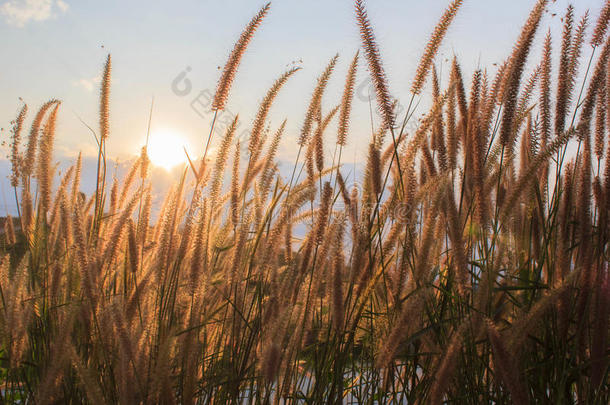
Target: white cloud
20,12
88,150
88,84
62,6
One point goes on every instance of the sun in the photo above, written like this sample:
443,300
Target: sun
166,148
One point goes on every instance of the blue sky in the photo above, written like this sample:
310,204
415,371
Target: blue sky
55,48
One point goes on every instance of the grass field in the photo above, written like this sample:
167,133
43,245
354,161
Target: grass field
469,267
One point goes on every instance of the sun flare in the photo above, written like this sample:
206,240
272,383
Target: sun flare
166,149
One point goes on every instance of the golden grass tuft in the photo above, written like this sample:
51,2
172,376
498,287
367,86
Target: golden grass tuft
230,68
373,57
433,44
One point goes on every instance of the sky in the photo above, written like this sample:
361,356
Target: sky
174,51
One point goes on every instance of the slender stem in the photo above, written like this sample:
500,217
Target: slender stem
207,144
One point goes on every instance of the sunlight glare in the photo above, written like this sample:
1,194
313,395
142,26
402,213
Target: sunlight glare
166,149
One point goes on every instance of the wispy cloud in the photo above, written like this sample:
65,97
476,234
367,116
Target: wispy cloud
21,12
88,84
